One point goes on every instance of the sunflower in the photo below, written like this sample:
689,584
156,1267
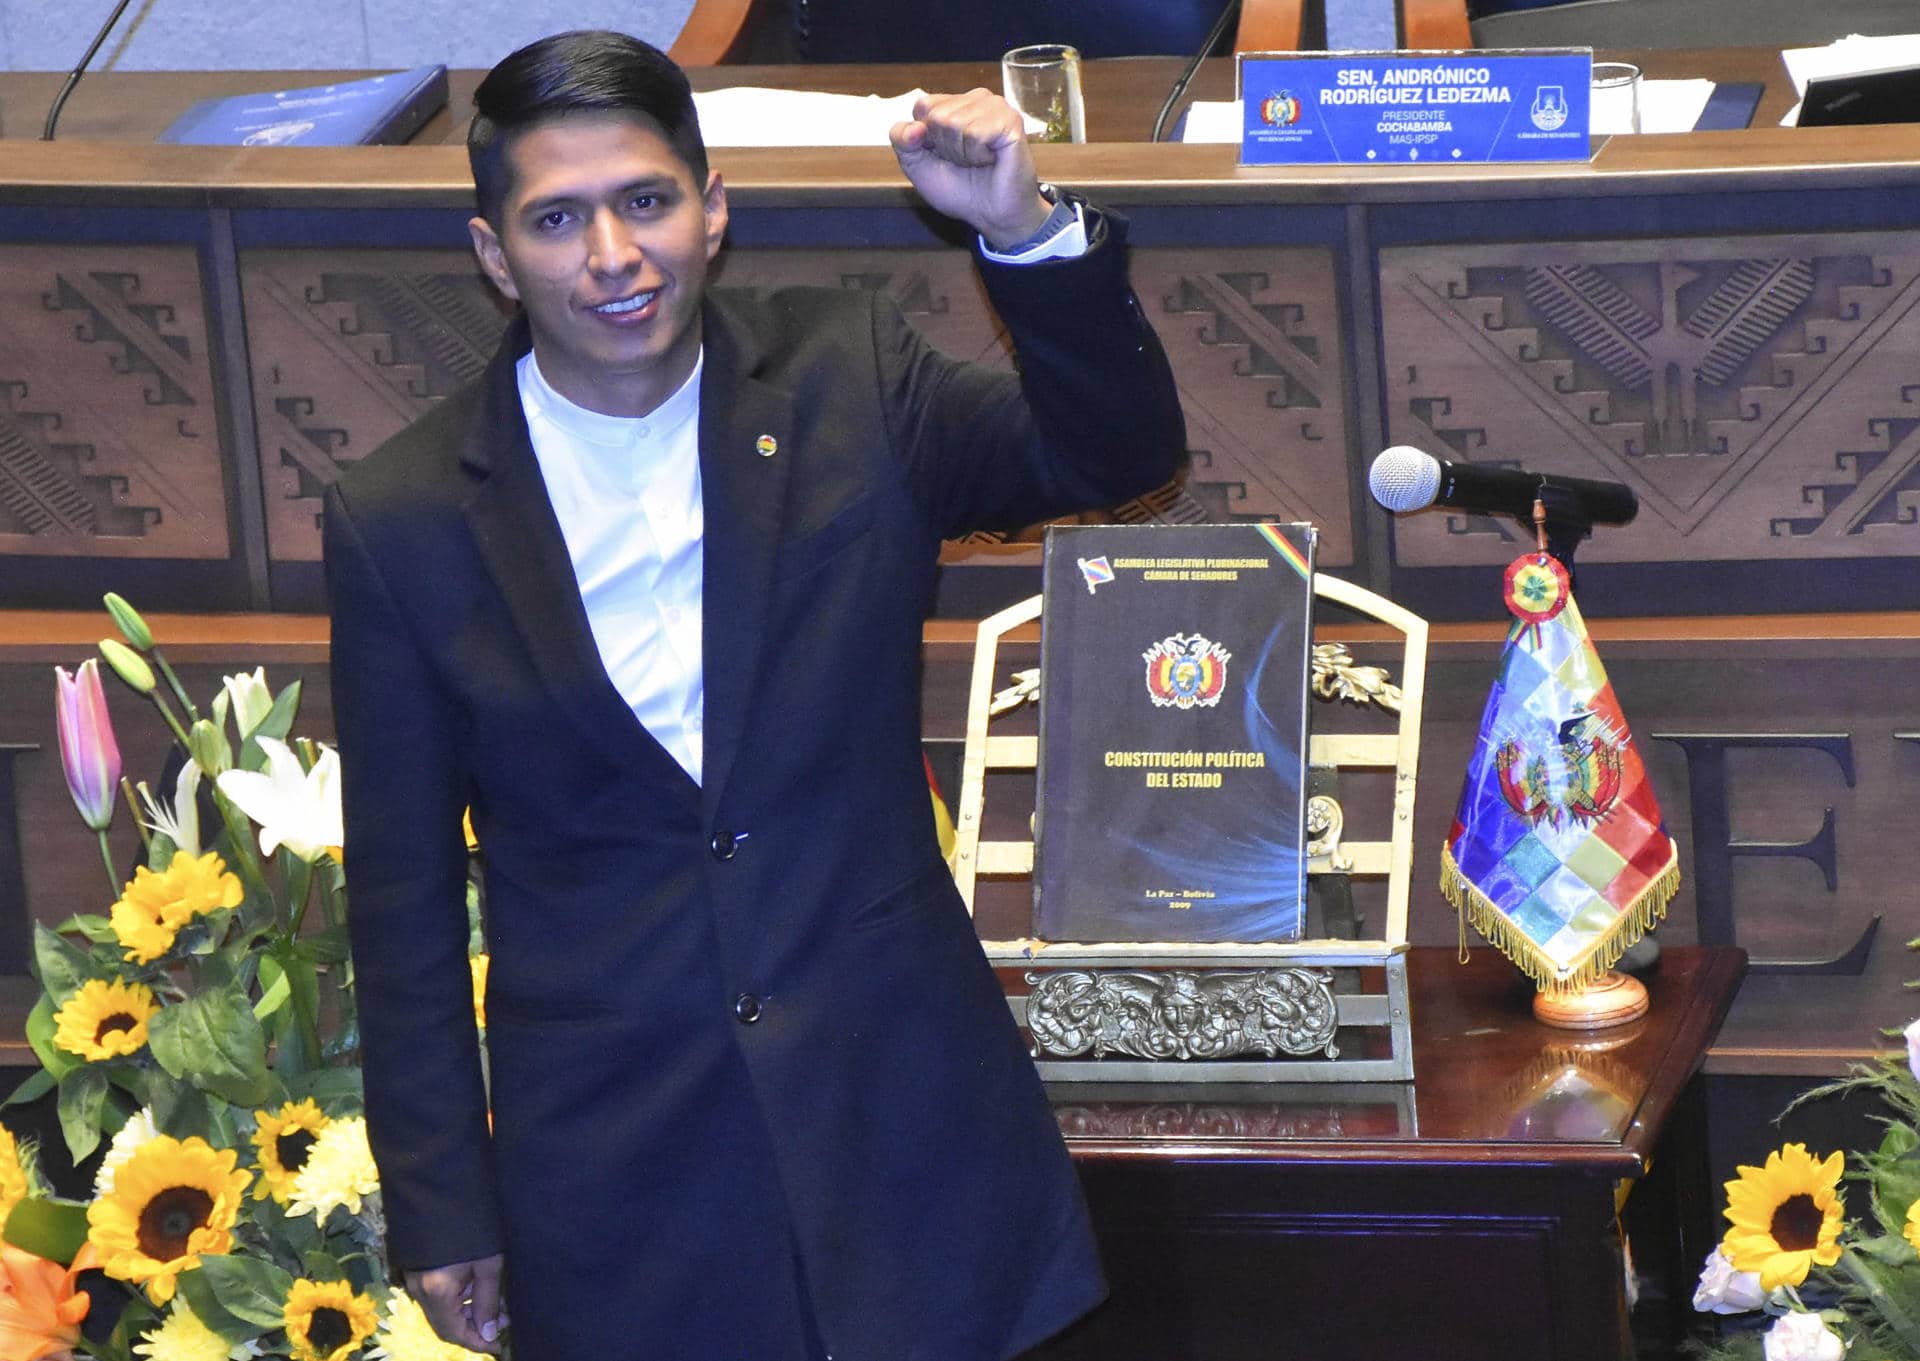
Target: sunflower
1786,1216
283,1140
327,1320
40,1311
477,965
405,1335
13,1174
339,1171
172,1201
105,1020
181,1336
155,906
1911,1229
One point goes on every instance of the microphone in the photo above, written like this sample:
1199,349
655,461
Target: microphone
1404,479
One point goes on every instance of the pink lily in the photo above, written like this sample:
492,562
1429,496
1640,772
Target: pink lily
88,751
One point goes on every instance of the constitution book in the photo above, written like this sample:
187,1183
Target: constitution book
378,111
1172,784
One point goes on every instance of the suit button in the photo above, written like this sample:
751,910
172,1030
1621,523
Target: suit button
746,1008
723,844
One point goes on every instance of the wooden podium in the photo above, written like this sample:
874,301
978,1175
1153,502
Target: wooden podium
1468,1214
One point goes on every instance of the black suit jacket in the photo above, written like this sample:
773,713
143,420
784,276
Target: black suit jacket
742,1040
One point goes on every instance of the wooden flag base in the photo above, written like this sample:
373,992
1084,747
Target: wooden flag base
1614,1000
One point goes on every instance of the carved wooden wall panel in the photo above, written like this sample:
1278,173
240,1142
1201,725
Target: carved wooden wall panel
109,437
1761,394
346,348
1259,348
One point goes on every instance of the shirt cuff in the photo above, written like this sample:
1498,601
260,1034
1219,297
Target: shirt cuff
1062,237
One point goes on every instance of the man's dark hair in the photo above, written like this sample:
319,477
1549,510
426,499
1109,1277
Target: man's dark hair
584,71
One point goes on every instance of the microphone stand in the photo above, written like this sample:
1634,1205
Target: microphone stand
1566,524
1207,45
73,77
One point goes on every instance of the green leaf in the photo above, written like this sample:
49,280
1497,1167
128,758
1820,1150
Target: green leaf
196,1288
160,852
91,925
40,1031
324,947
277,724
248,1288
322,1266
275,991
214,1041
36,1085
180,1110
58,964
336,1090
83,1100
1889,1248
1895,1171
53,1229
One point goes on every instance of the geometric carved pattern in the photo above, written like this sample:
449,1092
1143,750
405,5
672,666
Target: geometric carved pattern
1256,343
347,348
1761,394
108,437
1254,339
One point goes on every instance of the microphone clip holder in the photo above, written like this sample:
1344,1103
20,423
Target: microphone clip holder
1560,523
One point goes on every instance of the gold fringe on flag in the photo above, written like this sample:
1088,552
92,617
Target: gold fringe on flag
1593,962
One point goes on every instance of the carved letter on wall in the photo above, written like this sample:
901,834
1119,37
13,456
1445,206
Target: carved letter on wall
1714,846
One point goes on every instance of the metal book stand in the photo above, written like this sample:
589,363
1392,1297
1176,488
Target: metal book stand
1325,1010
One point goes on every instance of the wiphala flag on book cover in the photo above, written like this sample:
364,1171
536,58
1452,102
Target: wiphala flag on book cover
1173,691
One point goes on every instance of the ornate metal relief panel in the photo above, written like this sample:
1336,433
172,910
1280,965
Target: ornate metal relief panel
109,439
1759,393
1254,338
347,348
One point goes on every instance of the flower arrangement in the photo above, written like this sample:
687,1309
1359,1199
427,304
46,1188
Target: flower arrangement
1823,1286
201,1030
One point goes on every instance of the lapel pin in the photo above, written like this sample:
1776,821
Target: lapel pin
767,446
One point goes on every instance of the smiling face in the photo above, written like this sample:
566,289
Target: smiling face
604,238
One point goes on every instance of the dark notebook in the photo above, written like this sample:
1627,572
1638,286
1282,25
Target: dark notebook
1174,664
377,111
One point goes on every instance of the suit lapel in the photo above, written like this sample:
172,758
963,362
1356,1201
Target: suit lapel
746,448
519,538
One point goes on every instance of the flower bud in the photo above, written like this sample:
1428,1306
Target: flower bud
88,753
127,619
208,747
249,698
128,665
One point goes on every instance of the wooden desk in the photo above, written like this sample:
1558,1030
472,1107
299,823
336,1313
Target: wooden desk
1467,1215
1123,94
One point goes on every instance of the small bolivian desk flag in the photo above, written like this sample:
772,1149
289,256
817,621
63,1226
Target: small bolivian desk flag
1558,854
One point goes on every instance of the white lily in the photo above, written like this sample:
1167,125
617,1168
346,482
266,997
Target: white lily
295,807
249,698
179,823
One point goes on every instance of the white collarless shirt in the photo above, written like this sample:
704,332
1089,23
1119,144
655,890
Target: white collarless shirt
626,490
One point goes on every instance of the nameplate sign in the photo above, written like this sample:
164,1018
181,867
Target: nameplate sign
1400,108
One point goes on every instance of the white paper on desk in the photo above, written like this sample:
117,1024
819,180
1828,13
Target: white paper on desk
744,115
1853,55
1665,106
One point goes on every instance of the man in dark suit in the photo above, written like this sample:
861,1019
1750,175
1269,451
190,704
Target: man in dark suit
648,598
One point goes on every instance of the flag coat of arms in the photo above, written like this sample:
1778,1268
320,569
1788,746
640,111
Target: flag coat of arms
1558,854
